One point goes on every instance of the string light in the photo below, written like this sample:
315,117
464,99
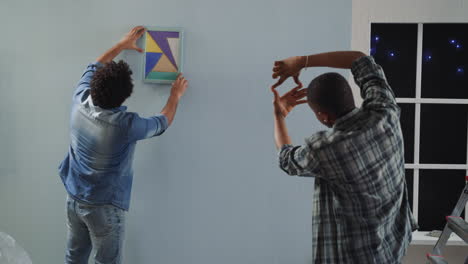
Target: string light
427,55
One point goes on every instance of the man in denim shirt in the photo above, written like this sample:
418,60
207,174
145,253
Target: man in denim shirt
97,170
361,209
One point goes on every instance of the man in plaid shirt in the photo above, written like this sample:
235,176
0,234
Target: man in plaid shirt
361,209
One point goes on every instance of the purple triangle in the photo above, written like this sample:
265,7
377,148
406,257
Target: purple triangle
161,39
151,59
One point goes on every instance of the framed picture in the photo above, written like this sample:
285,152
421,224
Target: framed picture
163,54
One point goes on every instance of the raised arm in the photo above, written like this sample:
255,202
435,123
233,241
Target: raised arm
292,66
143,128
177,91
297,160
128,42
282,106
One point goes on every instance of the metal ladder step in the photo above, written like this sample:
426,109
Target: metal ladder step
458,226
454,224
435,259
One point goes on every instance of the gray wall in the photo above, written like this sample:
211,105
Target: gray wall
208,190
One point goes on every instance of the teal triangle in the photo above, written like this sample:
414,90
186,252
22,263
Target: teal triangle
151,59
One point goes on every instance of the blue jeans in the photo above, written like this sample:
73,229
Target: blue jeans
101,227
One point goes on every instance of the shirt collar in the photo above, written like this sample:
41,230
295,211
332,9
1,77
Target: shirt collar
346,119
121,108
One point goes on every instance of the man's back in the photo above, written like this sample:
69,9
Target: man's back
362,185
361,208
98,166
98,139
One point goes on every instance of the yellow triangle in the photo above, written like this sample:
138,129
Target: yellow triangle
164,65
151,45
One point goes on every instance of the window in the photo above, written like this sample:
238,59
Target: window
425,65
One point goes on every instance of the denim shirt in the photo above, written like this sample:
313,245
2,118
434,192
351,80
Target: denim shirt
98,166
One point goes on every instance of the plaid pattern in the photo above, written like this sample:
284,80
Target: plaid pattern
361,209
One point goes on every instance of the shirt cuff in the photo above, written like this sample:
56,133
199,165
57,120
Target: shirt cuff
284,147
163,122
96,64
362,65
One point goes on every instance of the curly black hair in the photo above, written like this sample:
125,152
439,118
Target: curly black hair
111,85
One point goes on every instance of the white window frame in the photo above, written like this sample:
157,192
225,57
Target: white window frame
417,101
365,12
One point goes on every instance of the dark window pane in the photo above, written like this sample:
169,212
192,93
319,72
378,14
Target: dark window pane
439,191
443,133
407,126
394,48
445,55
409,185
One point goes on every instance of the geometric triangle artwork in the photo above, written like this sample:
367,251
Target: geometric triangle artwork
151,45
160,37
164,65
151,60
174,45
163,54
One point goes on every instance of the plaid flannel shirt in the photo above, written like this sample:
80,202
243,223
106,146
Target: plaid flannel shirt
361,209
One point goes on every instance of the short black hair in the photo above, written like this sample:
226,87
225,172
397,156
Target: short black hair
111,84
331,93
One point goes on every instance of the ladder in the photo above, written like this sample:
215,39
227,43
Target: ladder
454,224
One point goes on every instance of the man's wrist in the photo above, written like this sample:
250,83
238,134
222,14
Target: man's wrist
278,115
120,46
302,62
175,96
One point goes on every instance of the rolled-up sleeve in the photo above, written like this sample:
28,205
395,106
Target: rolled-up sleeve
82,89
142,128
298,160
375,90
